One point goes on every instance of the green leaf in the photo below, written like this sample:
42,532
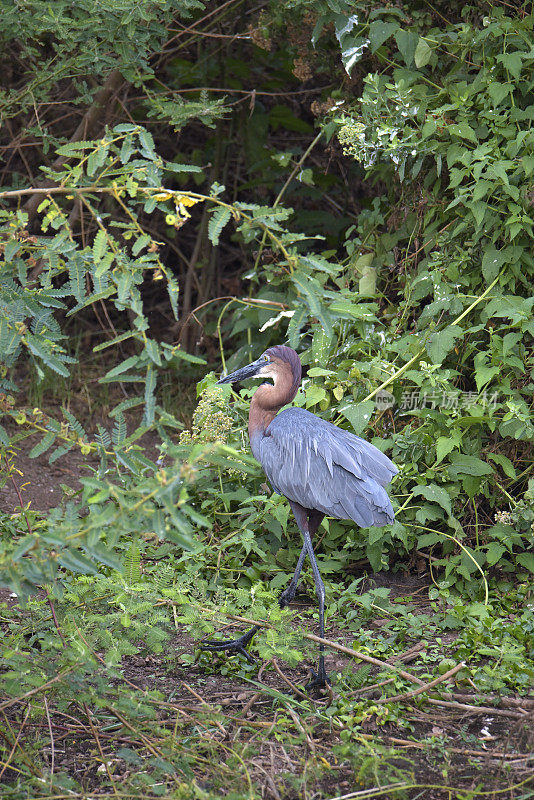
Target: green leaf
528,164
150,400
465,131
76,562
100,245
152,350
358,414
104,266
185,356
436,494
379,32
4,437
367,283
141,242
218,220
444,445
504,462
58,452
147,143
493,553
526,560
423,53
104,555
492,261
127,461
11,248
77,278
478,210
172,289
513,62
468,465
314,394
296,323
498,91
39,349
407,44
73,422
41,447
374,555
441,343
484,374
428,539
498,168
123,336
482,188
96,159
124,366
347,310
312,291
27,543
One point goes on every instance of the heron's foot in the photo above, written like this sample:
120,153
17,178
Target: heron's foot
287,596
319,679
232,646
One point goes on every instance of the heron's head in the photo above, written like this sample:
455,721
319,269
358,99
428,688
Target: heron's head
280,363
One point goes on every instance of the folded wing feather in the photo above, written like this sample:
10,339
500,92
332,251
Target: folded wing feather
326,468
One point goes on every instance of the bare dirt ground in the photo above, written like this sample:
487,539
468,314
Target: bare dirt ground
469,743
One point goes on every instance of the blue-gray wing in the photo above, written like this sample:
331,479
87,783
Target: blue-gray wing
326,468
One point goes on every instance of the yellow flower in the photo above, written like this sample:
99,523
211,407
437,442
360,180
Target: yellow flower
185,200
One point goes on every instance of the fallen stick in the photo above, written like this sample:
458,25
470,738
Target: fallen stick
476,709
407,695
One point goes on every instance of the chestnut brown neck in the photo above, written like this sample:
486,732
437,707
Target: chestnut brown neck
268,400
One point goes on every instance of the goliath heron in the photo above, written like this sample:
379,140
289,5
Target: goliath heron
323,470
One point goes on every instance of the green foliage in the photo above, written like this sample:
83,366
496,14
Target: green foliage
58,42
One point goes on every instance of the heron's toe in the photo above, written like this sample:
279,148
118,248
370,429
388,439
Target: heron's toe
231,646
319,681
287,596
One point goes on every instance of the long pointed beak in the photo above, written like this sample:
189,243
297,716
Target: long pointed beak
245,372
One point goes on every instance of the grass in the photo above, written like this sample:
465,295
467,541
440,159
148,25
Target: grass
113,702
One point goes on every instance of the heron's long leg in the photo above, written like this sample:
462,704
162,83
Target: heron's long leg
289,592
321,678
306,521
314,520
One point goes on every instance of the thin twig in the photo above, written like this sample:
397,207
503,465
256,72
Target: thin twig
476,709
52,745
15,700
299,726
146,741
203,703
397,698
407,655
16,744
510,702
294,689
272,787
459,750
97,740
364,657
249,704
